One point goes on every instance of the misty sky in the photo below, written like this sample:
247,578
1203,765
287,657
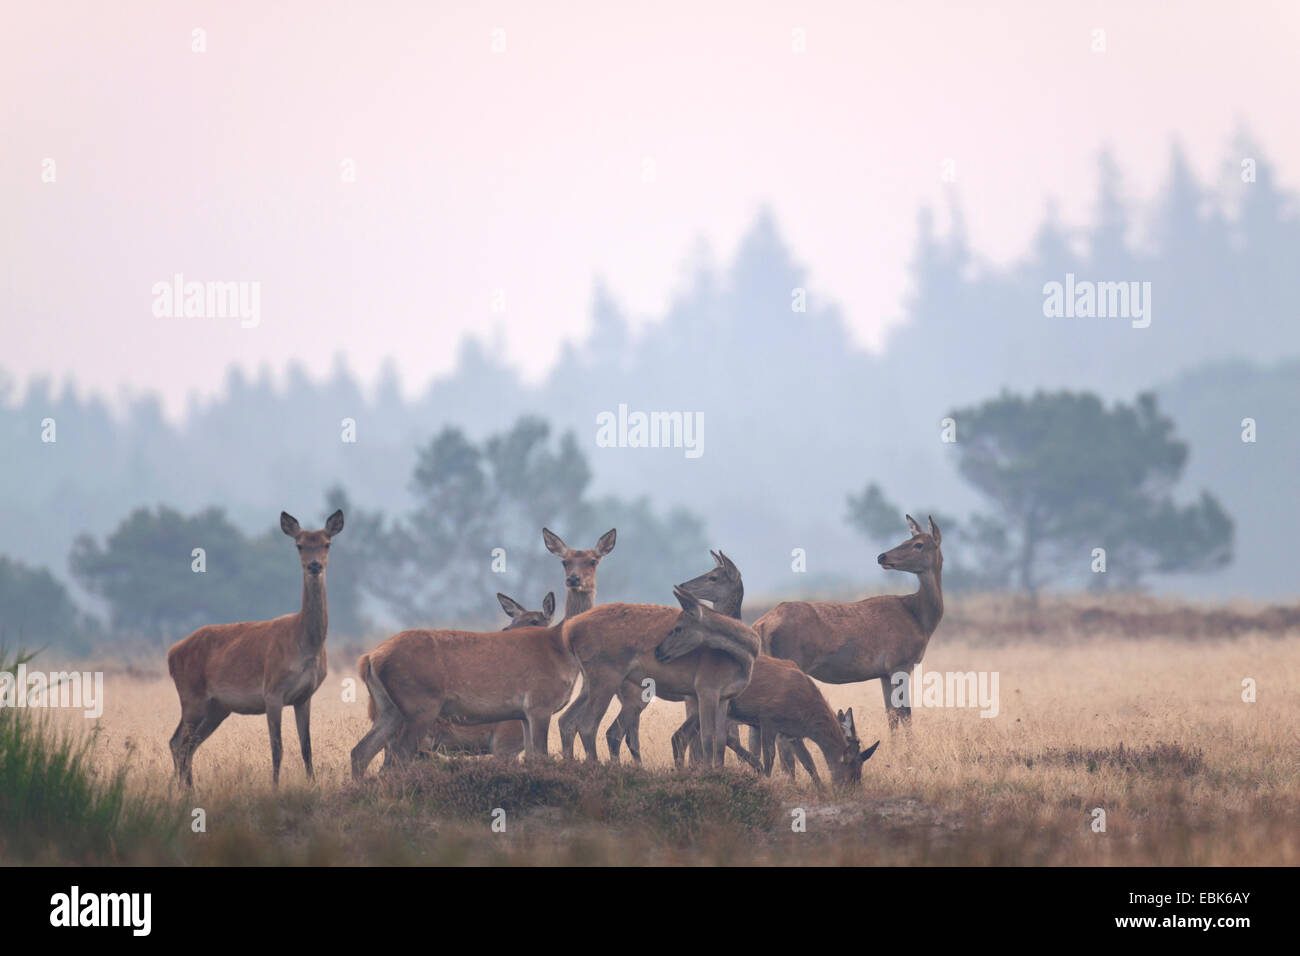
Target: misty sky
525,170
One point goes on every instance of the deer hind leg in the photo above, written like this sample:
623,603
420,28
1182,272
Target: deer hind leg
181,749
897,710
193,729
627,725
593,709
302,717
687,733
569,719
388,722
785,750
695,748
767,740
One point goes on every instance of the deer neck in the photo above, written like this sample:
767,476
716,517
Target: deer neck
830,740
576,601
315,613
730,605
927,603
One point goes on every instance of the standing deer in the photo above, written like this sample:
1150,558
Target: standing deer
724,589
505,738
880,637
697,652
257,667
524,673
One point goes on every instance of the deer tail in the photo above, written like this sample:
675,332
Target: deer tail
373,685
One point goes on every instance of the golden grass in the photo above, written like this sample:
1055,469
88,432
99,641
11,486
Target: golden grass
1202,778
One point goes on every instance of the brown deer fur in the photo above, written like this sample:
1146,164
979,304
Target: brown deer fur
257,667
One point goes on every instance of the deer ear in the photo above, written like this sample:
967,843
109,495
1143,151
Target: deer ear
717,560
728,563
553,542
606,543
509,605
688,602
911,523
934,531
289,524
548,604
334,523
866,754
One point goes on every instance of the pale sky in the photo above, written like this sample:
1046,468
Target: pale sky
524,170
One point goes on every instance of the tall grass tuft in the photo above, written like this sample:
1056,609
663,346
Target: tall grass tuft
54,804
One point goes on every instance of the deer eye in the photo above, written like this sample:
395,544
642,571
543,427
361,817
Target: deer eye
299,547
918,545
713,577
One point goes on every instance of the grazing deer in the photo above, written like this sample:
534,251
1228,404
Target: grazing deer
695,653
524,673
875,638
257,667
505,738
781,699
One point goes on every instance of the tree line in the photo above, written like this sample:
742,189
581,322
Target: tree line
1068,483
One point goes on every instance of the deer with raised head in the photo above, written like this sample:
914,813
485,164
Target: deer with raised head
472,677
879,637
257,667
505,738
723,588
696,652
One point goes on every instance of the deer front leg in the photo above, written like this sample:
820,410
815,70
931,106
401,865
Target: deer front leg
897,692
695,749
302,716
801,751
536,731
733,741
273,713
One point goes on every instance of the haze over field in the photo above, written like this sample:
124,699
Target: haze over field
454,226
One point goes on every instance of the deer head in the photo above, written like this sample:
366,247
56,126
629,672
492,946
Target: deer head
848,769
687,630
313,546
522,618
579,566
723,583
918,554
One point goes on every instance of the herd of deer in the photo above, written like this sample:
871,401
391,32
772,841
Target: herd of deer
496,692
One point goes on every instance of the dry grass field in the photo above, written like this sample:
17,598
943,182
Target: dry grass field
1151,728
